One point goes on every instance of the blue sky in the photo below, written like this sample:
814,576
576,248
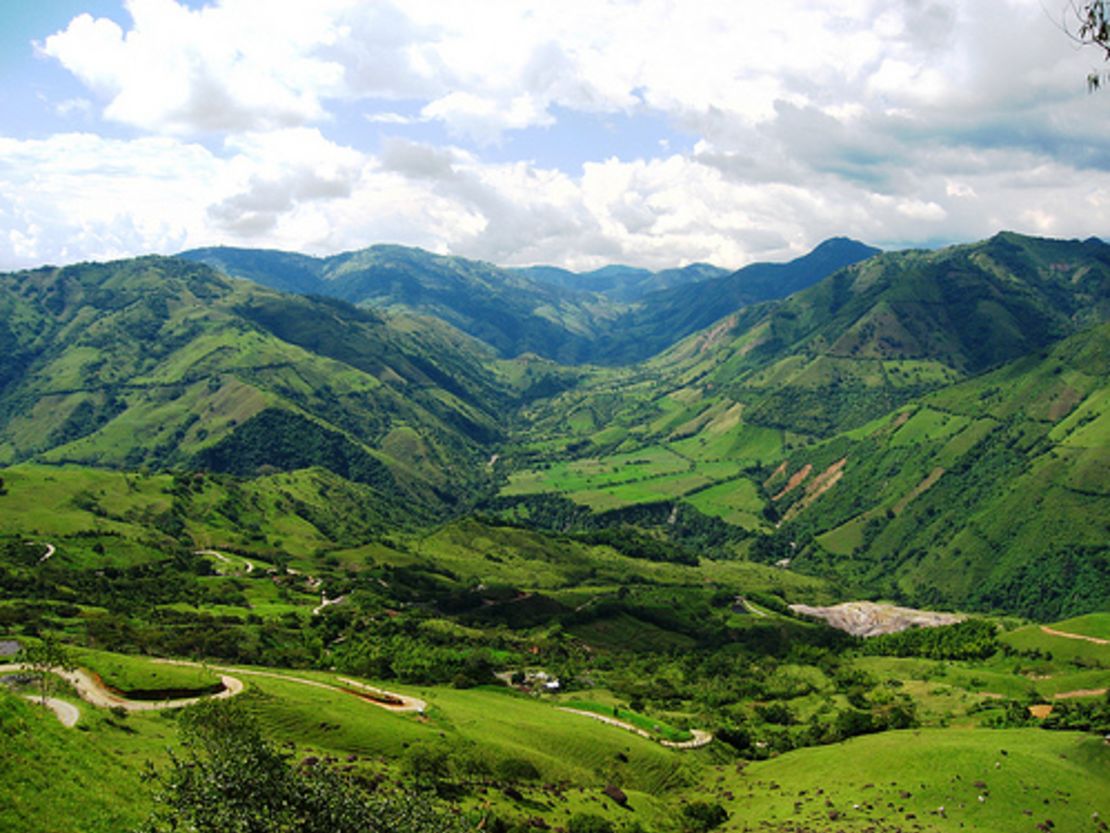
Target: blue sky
654,133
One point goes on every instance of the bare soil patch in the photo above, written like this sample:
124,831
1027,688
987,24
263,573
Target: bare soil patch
795,481
873,619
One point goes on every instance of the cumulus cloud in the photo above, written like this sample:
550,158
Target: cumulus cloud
896,121
282,170
240,65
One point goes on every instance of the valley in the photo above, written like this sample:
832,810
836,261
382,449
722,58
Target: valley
556,576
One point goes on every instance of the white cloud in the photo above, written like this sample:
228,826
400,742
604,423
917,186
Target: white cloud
895,121
240,65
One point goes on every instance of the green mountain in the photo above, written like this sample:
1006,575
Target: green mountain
989,494
667,315
879,332
623,283
614,315
508,311
559,597
872,428
773,420
161,362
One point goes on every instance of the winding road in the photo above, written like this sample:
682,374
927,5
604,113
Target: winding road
385,699
90,689
219,556
67,713
700,736
93,691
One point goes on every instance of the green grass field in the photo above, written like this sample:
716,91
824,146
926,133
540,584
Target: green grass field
1093,624
901,780
137,674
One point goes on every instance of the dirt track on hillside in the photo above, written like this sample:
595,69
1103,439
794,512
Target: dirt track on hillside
67,713
1083,692
92,690
700,736
1066,635
380,697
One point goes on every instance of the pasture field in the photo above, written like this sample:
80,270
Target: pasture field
1092,624
734,501
928,779
1033,637
137,674
877,782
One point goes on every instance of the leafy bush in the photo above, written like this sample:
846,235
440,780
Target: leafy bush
231,779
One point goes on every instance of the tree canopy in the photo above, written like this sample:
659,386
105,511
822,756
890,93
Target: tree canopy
229,778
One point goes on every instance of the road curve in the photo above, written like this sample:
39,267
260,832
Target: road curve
93,691
388,700
50,549
219,556
700,736
67,713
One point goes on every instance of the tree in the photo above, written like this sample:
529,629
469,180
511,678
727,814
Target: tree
45,660
229,778
702,816
1092,28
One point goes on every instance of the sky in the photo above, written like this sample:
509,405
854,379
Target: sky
575,133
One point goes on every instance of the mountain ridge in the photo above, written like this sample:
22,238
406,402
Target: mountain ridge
621,314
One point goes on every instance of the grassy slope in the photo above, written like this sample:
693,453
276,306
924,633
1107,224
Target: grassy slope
60,780
990,492
898,779
937,767
154,361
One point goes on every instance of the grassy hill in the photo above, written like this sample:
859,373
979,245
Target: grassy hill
159,362
990,493
925,425
309,493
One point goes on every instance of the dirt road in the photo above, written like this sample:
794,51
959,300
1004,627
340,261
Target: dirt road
1083,692
700,737
90,689
67,713
388,699
1066,635
326,602
50,550
219,556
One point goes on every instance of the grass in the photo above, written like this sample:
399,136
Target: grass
499,724
657,728
87,779
902,778
735,501
137,674
1031,637
1093,624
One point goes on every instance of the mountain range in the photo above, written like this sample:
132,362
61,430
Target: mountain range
924,425
614,315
